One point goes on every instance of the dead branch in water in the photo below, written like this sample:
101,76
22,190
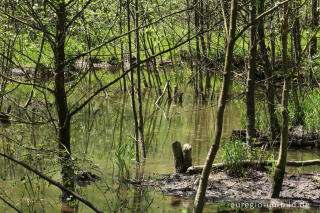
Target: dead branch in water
53,182
248,163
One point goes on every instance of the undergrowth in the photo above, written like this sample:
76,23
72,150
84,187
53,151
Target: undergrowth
234,153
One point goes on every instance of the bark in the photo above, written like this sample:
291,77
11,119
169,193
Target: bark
314,25
198,80
178,157
274,123
281,164
298,112
204,54
135,117
187,156
140,121
121,47
296,33
230,34
61,104
250,124
182,157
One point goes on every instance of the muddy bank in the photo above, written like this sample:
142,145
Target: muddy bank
299,190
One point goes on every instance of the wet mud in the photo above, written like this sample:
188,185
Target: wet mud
298,191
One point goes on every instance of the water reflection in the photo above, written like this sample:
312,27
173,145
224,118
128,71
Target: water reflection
104,125
65,208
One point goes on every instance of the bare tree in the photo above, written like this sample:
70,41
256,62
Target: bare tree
230,37
282,160
251,132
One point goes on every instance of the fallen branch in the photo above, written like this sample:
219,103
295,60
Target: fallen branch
163,92
248,163
53,182
9,204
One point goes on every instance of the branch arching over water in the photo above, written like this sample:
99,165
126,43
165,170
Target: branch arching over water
53,182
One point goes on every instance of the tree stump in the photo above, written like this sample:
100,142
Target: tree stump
187,158
182,158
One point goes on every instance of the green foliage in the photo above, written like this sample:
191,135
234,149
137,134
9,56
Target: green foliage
272,168
312,113
234,153
123,153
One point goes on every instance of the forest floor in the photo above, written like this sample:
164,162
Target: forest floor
251,190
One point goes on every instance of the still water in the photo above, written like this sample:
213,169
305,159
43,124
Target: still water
97,134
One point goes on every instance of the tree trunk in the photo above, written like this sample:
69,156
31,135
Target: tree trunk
199,87
121,47
298,112
314,25
281,165
135,117
230,34
274,123
61,104
250,124
140,121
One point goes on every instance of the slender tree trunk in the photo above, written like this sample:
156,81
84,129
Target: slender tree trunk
121,47
198,80
272,39
230,34
204,53
61,103
298,112
140,121
250,78
135,116
314,25
281,165
274,123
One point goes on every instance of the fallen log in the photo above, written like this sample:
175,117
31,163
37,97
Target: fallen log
250,163
297,139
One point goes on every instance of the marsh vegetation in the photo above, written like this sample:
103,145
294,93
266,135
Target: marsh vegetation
93,93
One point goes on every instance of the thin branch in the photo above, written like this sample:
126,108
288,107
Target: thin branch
133,67
9,204
124,34
25,83
78,14
163,92
260,17
53,182
27,24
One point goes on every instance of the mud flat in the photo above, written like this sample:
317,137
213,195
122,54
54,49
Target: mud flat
250,191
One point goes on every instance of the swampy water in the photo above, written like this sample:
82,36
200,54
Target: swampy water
102,143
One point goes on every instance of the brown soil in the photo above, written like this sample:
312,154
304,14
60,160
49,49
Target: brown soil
299,190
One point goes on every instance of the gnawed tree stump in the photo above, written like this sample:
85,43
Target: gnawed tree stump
187,158
316,178
182,158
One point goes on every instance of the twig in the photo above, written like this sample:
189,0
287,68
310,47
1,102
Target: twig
53,182
9,204
163,92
